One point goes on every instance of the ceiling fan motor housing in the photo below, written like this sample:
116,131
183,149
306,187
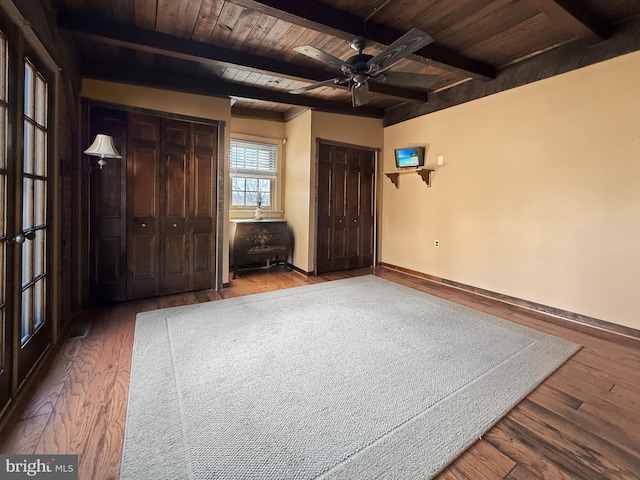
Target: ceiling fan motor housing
356,67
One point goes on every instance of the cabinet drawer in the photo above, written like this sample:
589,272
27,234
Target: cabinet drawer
269,239
244,229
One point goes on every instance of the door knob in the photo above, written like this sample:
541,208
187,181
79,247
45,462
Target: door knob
175,225
143,225
22,237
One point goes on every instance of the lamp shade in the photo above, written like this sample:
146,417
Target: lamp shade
103,147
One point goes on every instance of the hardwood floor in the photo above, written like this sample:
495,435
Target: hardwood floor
583,422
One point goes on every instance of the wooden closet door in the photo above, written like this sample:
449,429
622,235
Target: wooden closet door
205,148
360,207
345,208
108,212
332,209
143,197
187,260
175,218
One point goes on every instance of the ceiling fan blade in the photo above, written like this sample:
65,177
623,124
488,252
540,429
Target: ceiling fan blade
406,79
360,94
327,83
411,41
320,56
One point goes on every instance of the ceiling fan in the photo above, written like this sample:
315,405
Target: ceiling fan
361,68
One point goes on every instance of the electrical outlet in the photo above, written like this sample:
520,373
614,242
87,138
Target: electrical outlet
436,243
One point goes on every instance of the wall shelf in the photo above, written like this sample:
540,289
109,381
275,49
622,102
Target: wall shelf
425,174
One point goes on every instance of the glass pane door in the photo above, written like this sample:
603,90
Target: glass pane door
33,231
5,369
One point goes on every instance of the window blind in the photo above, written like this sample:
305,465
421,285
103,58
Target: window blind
253,158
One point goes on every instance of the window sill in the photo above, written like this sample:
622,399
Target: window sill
245,214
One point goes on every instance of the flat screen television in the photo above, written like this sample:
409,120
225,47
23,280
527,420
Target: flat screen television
410,157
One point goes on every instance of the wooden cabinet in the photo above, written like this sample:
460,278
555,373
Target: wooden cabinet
259,244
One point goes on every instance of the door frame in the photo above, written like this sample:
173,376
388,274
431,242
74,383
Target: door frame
316,170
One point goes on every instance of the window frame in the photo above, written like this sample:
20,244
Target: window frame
275,210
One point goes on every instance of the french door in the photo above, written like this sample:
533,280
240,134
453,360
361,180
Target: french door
24,230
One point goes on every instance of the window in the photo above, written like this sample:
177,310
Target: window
254,169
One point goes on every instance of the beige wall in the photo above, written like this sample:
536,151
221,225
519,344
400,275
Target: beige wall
539,196
157,99
258,127
297,185
198,106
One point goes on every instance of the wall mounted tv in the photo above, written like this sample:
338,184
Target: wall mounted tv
410,157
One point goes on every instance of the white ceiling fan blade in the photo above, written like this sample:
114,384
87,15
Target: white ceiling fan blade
320,56
411,41
406,79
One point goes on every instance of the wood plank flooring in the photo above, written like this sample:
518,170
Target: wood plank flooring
583,422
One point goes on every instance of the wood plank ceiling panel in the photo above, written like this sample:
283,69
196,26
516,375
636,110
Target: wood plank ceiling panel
188,12
245,26
123,11
614,12
207,18
167,16
482,24
502,47
145,14
260,30
226,22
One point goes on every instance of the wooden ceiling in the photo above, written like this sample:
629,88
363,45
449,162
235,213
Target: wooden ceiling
243,49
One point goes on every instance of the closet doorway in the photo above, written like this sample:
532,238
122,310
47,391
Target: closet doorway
345,212
153,219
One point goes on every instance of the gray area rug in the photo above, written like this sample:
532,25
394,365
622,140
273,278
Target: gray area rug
351,379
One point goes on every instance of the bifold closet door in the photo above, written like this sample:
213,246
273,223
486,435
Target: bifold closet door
171,206
143,206
187,206
175,214
108,212
345,208
202,264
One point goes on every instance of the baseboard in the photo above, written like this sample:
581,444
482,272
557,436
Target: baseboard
299,270
593,326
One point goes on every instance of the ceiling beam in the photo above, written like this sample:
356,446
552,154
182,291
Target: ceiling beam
332,21
574,17
92,28
219,88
